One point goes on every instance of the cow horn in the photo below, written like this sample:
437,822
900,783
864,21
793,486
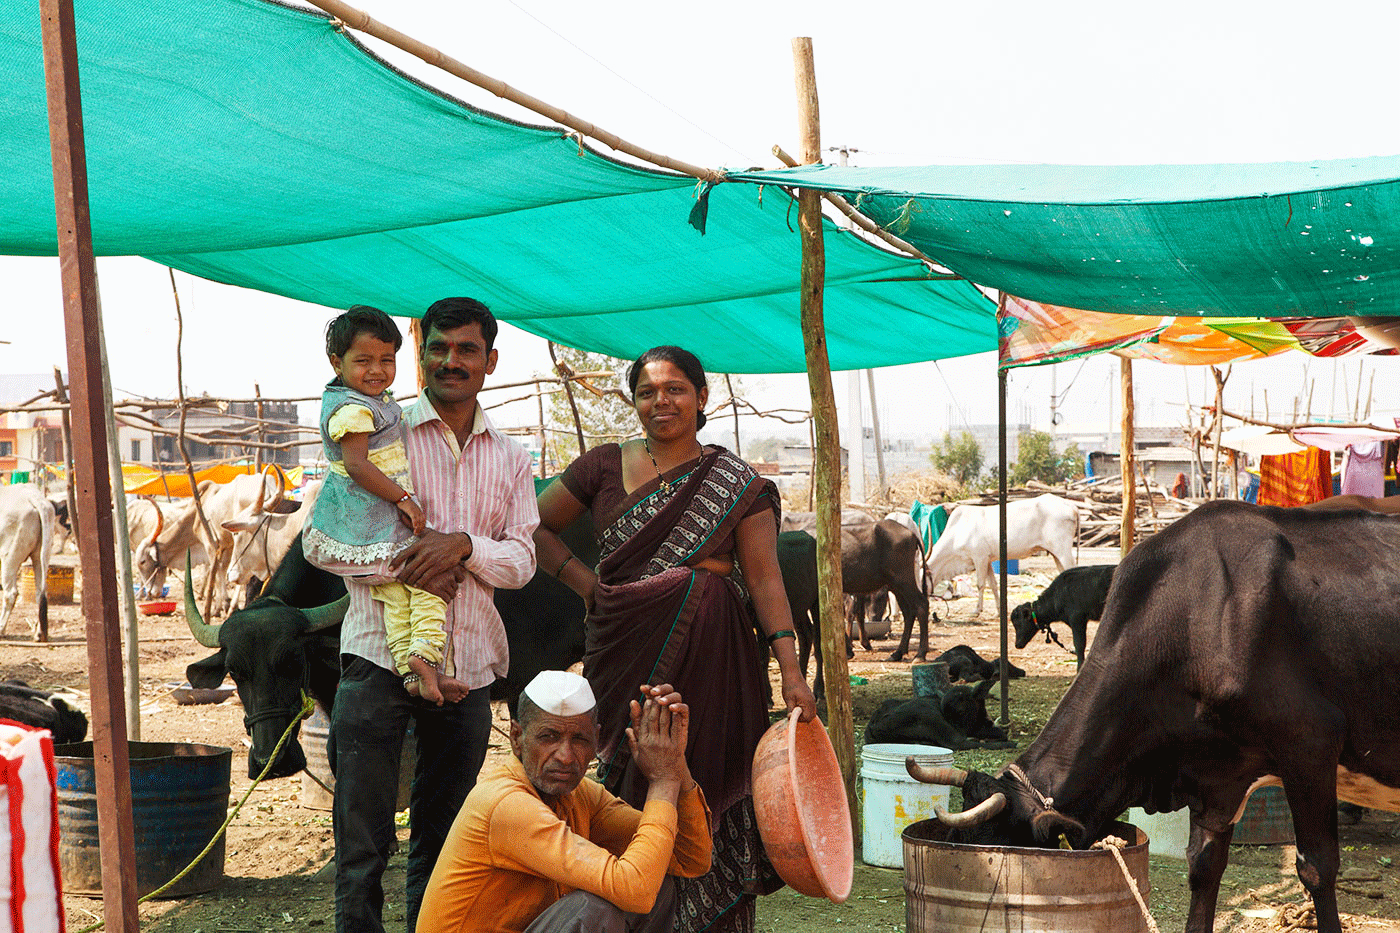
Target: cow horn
954,777
204,633
979,814
160,525
327,616
262,492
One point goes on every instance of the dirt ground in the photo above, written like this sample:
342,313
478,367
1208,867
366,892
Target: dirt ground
278,871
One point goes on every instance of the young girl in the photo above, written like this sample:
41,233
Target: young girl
366,513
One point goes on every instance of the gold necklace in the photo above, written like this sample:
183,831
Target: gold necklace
665,486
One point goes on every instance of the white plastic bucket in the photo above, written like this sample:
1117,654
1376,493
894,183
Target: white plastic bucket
891,799
1167,833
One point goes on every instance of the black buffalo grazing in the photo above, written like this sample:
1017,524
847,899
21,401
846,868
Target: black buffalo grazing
1075,597
289,638
1240,646
966,664
957,720
40,709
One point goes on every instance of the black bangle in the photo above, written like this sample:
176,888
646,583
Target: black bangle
560,569
784,633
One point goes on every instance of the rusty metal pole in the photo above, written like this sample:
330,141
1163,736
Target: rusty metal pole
826,459
61,395
93,494
1005,720
1128,528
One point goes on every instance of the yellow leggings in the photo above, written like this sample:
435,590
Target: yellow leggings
413,621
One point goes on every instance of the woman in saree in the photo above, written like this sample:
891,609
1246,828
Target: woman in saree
688,540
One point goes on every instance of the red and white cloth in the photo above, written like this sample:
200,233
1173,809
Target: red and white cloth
31,896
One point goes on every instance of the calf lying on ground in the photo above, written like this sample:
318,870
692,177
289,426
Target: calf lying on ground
1074,597
40,709
957,720
966,664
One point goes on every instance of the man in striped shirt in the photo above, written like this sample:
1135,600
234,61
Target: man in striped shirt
476,491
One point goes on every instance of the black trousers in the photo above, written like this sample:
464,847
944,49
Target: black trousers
371,716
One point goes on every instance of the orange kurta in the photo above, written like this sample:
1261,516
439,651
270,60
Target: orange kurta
510,855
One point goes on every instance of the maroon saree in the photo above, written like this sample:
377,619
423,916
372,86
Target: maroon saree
657,619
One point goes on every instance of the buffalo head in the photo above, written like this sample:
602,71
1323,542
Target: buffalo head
1005,810
271,650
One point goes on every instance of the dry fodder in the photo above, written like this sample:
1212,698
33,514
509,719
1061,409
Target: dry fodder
929,487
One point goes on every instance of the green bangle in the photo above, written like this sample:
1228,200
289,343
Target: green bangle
784,633
560,569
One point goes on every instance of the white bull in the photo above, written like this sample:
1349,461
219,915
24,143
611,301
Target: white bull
971,539
178,532
26,532
262,538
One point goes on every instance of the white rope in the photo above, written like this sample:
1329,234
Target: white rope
1115,845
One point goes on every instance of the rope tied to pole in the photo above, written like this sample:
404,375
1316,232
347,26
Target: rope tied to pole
308,706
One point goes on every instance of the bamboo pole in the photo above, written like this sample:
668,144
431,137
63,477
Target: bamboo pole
826,460
1127,528
357,19
82,322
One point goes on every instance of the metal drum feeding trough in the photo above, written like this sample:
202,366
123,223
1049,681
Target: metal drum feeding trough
955,888
179,798
317,782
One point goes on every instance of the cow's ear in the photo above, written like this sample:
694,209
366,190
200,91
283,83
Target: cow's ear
209,673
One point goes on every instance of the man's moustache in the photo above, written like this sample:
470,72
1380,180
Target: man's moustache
453,372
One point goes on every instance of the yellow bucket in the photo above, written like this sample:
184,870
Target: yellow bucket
60,585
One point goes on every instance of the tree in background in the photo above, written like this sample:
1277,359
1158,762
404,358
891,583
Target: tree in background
1037,459
959,458
607,416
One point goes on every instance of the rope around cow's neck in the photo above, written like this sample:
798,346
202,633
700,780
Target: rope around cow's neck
308,706
1049,633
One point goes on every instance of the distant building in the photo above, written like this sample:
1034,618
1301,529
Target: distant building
238,421
28,439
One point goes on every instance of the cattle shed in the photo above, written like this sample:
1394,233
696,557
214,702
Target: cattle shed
184,162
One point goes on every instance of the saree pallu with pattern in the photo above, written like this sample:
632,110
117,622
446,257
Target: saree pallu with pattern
656,619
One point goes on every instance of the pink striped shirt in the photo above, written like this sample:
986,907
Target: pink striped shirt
487,491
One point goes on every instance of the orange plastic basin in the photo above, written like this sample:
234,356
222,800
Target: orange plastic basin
160,608
800,803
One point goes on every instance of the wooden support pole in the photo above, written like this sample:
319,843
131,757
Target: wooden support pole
1129,524
1219,428
569,394
93,494
734,407
826,458
61,396
883,488
357,19
262,434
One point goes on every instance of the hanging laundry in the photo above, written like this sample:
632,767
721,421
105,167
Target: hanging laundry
1295,479
1364,472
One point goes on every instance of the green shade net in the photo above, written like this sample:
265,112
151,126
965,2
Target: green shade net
259,145
1307,239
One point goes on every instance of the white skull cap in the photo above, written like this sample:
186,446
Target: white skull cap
561,693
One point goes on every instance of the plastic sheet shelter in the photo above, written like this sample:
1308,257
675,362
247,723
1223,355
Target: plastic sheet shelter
262,146
1294,239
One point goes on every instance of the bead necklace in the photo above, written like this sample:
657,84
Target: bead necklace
665,486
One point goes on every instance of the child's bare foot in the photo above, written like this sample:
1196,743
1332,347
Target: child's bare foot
428,683
412,686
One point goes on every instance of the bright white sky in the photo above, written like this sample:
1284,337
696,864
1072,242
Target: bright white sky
900,83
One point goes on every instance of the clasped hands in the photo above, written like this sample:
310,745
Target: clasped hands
657,738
